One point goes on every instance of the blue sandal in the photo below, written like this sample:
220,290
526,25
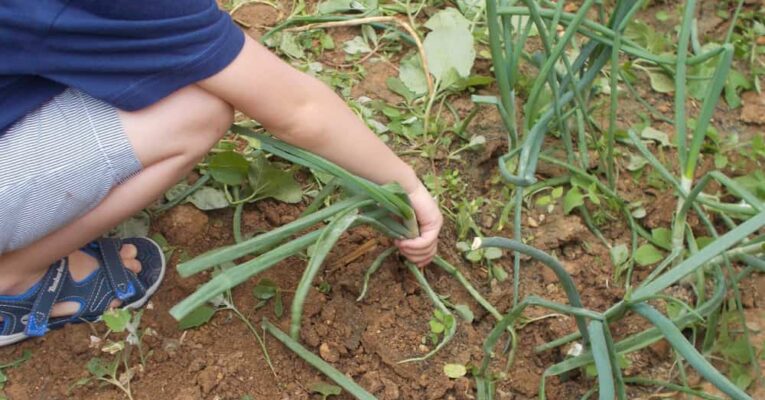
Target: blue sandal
28,314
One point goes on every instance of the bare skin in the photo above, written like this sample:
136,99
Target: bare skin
171,136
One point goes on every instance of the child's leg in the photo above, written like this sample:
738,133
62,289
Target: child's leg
168,138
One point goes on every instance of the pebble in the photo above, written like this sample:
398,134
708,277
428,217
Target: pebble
328,354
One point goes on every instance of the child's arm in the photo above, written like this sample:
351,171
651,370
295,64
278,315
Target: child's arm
303,111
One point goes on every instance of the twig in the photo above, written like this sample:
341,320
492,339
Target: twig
359,61
365,248
368,20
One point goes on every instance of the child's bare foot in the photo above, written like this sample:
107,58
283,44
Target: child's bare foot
81,265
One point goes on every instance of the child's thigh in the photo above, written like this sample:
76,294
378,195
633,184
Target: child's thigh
57,163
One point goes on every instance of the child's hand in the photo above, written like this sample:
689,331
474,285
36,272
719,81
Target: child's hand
421,250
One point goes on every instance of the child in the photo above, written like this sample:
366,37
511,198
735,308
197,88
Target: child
106,104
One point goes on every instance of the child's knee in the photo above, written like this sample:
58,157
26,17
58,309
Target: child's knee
187,123
207,126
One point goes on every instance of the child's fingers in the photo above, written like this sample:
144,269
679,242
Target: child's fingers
424,240
421,257
419,253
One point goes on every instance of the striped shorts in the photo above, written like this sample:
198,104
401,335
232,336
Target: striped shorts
57,163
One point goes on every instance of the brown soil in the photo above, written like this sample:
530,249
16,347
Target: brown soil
367,339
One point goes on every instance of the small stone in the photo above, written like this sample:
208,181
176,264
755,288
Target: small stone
487,221
548,275
197,364
391,391
753,111
328,354
371,381
423,349
310,337
184,225
171,345
533,222
208,379
660,349
462,388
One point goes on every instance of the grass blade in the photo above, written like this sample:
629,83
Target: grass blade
264,241
338,377
329,236
697,260
686,349
602,361
565,279
376,264
240,273
449,333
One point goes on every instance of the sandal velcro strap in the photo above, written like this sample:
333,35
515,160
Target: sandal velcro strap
109,255
52,282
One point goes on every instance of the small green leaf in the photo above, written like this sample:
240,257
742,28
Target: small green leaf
454,371
741,376
674,309
543,200
737,351
721,161
116,319
228,167
735,83
636,163
265,289
662,15
208,198
325,389
619,254
278,305
436,326
573,199
647,254
662,236
397,86
97,367
135,226
499,273
464,311
289,45
357,45
660,82
411,74
474,255
448,321
492,253
198,317
557,193
269,180
655,135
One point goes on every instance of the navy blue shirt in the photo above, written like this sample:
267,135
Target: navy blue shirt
128,53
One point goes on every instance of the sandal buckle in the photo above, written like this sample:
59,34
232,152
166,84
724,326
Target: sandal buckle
35,328
125,291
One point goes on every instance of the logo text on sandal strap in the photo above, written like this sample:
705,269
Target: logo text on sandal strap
57,278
